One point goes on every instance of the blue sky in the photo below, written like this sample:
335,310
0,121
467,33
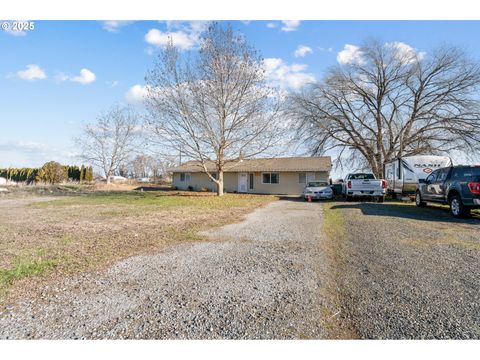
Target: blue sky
63,73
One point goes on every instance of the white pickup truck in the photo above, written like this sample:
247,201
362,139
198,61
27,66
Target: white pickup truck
364,185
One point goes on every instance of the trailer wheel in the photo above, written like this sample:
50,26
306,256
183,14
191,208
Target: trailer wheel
381,199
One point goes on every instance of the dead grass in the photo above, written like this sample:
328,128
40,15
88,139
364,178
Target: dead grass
68,235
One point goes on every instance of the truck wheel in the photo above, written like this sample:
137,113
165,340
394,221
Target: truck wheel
418,200
457,208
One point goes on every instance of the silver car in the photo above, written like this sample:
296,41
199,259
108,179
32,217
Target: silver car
317,190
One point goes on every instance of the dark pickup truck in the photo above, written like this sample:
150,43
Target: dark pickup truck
458,186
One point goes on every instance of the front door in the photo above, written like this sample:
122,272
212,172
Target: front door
242,182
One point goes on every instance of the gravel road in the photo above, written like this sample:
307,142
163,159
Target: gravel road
263,278
410,273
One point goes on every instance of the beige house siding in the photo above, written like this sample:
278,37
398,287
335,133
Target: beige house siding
288,182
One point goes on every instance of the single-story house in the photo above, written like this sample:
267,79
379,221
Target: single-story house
282,176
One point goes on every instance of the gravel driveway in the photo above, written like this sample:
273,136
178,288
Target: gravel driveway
409,272
261,278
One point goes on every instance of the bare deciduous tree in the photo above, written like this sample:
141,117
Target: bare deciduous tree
110,141
391,101
214,105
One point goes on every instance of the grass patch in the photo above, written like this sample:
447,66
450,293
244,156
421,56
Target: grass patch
333,223
25,266
338,324
163,199
91,231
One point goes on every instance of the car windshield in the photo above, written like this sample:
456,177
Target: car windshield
317,183
361,176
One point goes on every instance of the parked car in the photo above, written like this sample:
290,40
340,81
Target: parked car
316,190
457,186
364,185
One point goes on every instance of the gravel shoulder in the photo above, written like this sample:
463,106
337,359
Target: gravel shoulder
409,273
262,278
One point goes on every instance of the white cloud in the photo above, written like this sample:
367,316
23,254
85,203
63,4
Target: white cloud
85,77
16,32
32,72
290,25
405,52
271,25
302,50
350,54
136,94
115,25
184,35
286,76
326,49
61,77
160,38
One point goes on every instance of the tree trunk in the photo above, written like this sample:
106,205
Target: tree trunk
220,183
109,174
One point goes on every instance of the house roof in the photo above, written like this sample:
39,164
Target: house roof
322,163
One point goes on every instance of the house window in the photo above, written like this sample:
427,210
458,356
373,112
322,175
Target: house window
214,175
184,177
270,178
302,178
250,185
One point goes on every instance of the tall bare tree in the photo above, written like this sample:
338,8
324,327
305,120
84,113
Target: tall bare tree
110,141
213,106
390,101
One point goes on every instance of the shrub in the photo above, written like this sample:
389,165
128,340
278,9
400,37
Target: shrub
52,173
190,188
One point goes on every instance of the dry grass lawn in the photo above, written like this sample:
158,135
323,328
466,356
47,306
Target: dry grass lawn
46,236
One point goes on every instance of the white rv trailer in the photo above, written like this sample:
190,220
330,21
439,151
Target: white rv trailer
403,174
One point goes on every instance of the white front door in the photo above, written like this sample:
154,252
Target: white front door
242,182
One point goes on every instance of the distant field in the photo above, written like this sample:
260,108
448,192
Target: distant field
60,235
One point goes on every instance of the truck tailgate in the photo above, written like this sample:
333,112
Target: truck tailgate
366,185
